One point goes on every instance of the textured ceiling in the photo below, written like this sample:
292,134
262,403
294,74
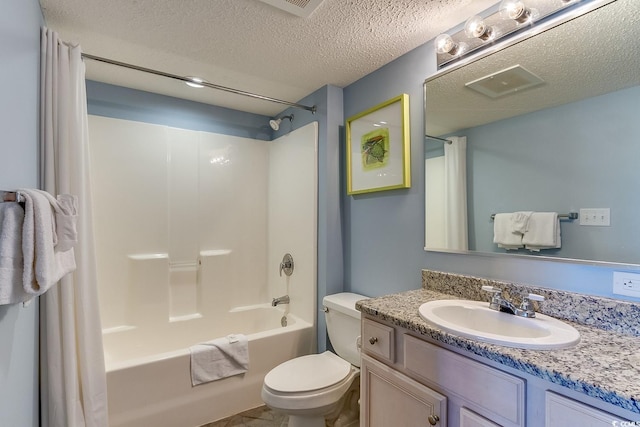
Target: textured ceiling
247,44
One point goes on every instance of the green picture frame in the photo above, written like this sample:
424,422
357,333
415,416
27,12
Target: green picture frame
378,148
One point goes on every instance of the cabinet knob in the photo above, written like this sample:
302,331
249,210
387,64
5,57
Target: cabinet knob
373,340
433,419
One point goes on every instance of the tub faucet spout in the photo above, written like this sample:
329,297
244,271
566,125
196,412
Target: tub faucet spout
281,300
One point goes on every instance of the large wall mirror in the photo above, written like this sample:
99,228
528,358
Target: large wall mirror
568,144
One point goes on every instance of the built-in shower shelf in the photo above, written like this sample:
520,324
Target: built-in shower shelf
143,257
185,317
215,252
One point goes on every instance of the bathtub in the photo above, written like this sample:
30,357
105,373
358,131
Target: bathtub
148,372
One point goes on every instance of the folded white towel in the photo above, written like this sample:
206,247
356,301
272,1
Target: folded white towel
520,221
43,265
11,220
220,358
502,233
543,231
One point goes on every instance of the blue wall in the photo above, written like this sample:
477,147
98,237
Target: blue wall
129,104
384,232
20,22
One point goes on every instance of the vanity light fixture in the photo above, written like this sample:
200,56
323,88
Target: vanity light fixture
195,82
475,27
482,31
516,10
445,44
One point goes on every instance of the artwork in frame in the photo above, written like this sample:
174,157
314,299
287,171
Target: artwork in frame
378,148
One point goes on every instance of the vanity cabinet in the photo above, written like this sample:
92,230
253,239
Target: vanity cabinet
409,380
406,381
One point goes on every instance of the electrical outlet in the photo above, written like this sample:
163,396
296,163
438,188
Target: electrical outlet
626,284
596,217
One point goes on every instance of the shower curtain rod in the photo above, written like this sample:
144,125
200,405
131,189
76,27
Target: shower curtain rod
439,139
189,80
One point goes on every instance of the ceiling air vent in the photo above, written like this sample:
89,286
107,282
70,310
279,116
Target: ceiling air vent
301,8
510,80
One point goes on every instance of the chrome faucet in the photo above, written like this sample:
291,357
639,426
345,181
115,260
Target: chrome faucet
281,300
498,303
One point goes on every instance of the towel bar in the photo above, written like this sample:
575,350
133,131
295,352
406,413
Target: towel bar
569,216
10,196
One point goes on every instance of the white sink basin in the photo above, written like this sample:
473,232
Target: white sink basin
475,320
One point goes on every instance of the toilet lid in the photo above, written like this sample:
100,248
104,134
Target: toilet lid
308,373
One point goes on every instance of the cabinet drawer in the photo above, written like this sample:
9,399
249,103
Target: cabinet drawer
494,394
378,340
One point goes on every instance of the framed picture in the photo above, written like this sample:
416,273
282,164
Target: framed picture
378,148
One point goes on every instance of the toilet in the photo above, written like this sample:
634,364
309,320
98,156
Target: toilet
321,389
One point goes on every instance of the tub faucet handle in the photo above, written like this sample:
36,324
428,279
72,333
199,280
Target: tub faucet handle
286,265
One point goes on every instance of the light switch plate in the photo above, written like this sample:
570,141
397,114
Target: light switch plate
596,217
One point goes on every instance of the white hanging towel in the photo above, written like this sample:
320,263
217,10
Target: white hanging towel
11,220
220,358
503,234
520,221
44,263
543,231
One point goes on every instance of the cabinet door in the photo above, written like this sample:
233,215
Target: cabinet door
389,398
469,418
562,411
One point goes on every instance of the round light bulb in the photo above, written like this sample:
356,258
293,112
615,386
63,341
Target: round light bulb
475,27
516,10
445,44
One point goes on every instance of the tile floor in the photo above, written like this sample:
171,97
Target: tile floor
258,417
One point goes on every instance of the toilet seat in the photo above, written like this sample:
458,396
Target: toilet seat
308,373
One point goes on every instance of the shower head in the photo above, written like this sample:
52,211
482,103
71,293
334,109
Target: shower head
275,123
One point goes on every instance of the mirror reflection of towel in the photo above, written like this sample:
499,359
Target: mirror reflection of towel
543,232
503,235
520,221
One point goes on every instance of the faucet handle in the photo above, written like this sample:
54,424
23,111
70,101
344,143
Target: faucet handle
534,297
525,306
491,289
494,304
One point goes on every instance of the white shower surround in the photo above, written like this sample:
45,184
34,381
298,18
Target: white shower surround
190,228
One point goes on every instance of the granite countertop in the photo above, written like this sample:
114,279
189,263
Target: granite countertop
605,364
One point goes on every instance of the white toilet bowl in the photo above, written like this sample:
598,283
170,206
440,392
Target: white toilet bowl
309,388
321,388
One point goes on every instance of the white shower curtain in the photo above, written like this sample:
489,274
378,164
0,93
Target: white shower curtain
455,194
73,381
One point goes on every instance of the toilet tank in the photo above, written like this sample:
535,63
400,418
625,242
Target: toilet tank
343,324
